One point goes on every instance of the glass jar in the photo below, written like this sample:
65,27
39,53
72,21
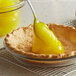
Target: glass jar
10,16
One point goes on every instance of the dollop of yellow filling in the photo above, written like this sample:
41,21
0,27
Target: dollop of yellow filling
45,42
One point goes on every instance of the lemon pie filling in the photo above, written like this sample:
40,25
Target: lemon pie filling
45,42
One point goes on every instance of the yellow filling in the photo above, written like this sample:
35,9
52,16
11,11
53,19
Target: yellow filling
45,42
9,20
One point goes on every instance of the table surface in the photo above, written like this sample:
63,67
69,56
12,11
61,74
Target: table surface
7,69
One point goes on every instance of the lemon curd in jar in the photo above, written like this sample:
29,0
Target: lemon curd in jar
8,19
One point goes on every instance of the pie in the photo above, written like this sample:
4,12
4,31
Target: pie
20,41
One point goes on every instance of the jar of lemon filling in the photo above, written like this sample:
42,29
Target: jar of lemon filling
9,15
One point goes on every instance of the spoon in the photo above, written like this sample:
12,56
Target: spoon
45,42
33,11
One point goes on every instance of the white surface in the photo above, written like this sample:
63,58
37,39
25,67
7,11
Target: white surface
47,11
7,69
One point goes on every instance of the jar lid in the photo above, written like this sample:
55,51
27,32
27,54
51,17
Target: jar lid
12,6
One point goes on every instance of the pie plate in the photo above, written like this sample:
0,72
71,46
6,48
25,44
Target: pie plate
28,58
44,63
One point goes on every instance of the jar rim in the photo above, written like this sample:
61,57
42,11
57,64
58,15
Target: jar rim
14,7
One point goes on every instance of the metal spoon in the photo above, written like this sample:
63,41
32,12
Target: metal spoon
33,11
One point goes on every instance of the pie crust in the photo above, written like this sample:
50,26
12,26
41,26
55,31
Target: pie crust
20,41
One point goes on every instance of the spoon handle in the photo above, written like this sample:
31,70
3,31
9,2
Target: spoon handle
33,11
